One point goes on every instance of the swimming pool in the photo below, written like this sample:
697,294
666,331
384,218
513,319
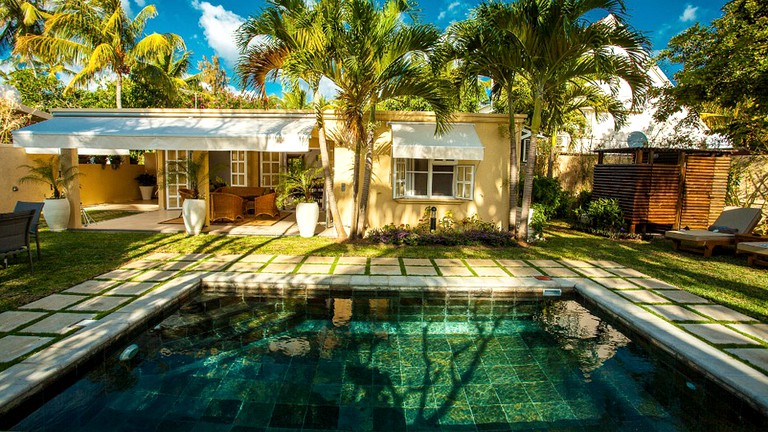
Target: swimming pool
390,362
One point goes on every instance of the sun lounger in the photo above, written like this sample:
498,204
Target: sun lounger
757,252
740,220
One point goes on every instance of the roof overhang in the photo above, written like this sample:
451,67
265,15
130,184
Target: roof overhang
196,130
418,141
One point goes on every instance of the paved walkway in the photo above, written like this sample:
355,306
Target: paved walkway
53,335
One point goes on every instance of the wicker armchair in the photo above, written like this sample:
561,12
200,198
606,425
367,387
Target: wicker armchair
226,207
265,204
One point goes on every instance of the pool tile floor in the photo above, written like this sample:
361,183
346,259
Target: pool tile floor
124,298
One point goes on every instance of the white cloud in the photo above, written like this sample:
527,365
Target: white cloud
141,3
689,14
450,11
219,26
126,4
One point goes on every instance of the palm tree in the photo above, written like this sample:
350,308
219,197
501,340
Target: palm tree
486,51
289,37
379,57
100,37
48,172
559,45
20,17
166,70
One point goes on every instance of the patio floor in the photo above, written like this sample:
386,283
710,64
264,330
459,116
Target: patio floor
152,221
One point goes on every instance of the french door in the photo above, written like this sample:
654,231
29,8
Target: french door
174,183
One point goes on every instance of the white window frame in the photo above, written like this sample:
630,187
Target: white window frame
281,168
525,143
238,160
172,196
403,172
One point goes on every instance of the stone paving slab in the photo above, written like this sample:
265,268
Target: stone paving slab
653,284
389,270
176,265
131,288
417,262
353,260
279,268
513,263
643,296
119,275
288,259
680,296
481,262
315,268
677,313
385,261
161,256
628,273
225,258
61,323
99,304
523,271
246,266
756,356
320,260
13,347
11,320
721,313
256,258
759,331
54,302
606,264
420,270
615,283
718,334
191,257
490,271
210,266
144,264
155,276
545,263
344,269
91,287
576,263
559,272
448,262
456,271
594,272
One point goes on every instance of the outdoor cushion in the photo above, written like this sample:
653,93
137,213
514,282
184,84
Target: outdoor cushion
698,235
742,219
759,248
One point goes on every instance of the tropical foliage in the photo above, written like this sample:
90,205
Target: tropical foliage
47,171
194,170
19,18
100,37
724,78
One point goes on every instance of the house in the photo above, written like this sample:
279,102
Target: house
463,171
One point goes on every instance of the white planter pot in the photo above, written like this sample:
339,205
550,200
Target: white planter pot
193,212
56,214
307,215
146,192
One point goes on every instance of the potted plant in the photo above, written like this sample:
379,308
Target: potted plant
46,171
147,184
193,209
298,185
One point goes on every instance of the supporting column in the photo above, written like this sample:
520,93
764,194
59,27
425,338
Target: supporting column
67,160
204,184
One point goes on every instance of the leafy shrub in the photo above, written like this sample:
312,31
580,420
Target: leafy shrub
548,194
603,216
538,222
449,232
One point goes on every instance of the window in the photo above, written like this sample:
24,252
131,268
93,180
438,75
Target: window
526,143
238,168
432,178
271,167
174,182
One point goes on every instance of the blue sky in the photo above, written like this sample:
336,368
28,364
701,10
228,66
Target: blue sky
207,25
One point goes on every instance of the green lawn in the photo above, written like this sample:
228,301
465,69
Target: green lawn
72,257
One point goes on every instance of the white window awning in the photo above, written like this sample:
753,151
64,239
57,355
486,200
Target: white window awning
418,141
179,131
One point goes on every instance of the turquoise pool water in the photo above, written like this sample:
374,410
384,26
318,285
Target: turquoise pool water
395,362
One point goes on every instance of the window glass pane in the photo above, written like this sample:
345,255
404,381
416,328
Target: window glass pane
442,184
419,184
421,165
442,168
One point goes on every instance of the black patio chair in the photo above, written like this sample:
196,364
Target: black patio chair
38,208
14,235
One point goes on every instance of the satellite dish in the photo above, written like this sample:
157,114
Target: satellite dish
637,139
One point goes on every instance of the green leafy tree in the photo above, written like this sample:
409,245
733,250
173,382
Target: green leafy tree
163,78
558,45
99,36
19,18
724,78
213,74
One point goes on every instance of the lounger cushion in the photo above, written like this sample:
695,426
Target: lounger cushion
698,235
759,248
742,219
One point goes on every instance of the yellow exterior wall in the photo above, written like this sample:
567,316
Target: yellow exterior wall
10,160
491,199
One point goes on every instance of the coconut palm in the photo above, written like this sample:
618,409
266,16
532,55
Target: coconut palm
379,57
99,36
166,70
485,51
20,17
560,45
289,38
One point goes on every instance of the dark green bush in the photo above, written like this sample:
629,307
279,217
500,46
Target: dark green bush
548,194
603,216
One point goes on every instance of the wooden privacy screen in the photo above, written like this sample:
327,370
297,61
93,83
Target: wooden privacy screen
680,188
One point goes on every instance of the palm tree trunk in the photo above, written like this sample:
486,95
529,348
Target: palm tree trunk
530,166
358,136
341,234
551,160
367,169
514,169
119,91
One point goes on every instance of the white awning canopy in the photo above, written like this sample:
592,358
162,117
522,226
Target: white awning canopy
418,141
184,131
